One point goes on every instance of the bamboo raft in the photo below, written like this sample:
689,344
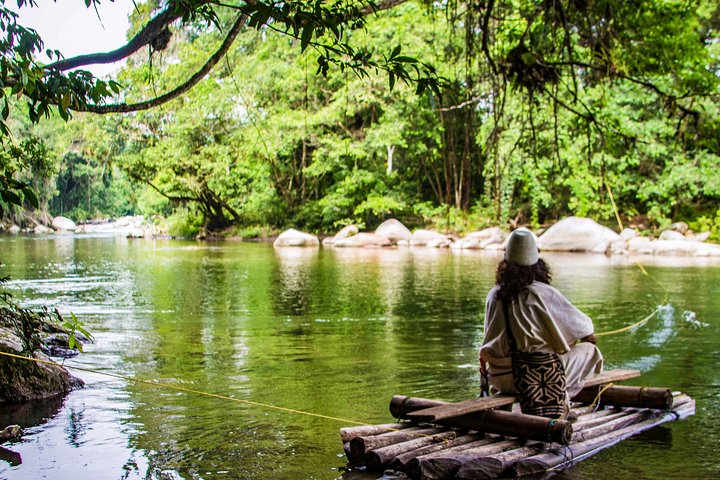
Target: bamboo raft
486,438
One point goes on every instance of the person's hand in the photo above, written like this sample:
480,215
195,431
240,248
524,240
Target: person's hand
483,366
590,338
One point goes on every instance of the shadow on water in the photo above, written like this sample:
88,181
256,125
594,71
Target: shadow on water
27,415
31,414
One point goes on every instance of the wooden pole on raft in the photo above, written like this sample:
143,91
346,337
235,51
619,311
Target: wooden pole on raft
412,466
381,457
359,446
580,451
348,433
493,465
494,421
628,396
490,463
435,467
401,405
402,459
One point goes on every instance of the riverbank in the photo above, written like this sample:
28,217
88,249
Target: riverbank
571,234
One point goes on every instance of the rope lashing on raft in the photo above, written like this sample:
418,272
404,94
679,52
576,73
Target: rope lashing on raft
595,404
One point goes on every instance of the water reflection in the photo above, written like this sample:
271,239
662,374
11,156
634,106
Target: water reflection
333,332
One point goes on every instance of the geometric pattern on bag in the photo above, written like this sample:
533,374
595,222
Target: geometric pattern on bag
539,381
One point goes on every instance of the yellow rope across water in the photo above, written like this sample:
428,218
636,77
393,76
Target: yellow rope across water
187,390
642,269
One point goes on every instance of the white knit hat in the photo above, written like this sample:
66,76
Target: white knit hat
521,248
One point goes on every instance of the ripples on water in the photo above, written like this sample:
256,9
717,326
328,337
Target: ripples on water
333,332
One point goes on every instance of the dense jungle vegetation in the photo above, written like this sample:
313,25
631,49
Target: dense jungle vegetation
537,109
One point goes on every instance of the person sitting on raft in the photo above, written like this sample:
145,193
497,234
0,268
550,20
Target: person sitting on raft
541,321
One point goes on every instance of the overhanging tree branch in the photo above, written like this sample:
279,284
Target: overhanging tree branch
145,36
173,198
179,90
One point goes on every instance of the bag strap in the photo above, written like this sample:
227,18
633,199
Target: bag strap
506,313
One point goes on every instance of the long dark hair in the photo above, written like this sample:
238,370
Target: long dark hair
513,279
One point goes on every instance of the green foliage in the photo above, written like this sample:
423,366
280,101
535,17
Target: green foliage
29,325
31,156
708,223
184,222
446,218
545,109
74,326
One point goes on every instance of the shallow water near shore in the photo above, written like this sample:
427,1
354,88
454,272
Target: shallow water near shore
330,332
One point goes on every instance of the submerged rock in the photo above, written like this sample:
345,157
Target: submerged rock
11,432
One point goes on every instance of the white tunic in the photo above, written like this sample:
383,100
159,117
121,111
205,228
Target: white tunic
542,321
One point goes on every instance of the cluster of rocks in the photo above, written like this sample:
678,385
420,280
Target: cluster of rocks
57,224
572,234
129,226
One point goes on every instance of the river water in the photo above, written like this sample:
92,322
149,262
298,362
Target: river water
331,332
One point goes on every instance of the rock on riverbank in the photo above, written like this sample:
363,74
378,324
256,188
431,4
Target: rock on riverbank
24,380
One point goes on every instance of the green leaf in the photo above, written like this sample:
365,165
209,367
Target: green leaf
65,102
31,197
11,197
307,35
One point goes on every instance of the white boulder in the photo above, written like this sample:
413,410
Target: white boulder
136,232
575,234
671,235
296,238
421,238
466,244
346,232
699,237
13,230
680,227
363,240
492,232
628,233
439,243
63,223
640,245
394,230
481,239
